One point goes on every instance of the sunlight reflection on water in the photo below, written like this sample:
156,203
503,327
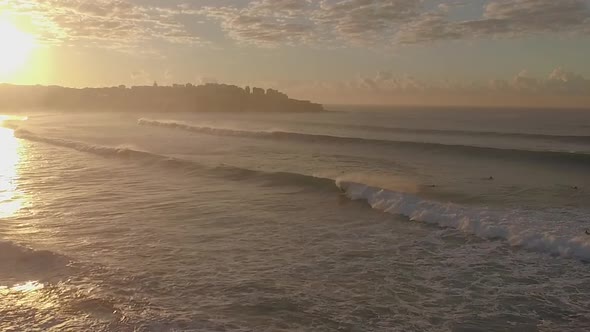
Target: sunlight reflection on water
27,287
11,201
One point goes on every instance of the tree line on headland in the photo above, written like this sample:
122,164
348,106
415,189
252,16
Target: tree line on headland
198,98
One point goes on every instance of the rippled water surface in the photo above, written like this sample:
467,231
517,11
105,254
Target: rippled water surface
356,220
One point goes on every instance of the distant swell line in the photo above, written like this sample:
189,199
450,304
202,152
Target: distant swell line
149,158
583,139
569,157
83,147
470,220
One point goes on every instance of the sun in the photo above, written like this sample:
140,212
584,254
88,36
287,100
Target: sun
15,47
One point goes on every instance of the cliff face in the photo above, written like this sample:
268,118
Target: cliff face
201,98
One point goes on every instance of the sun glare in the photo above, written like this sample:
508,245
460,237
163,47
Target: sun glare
15,47
11,200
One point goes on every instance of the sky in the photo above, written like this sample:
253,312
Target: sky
399,52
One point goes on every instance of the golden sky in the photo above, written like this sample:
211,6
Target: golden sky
430,52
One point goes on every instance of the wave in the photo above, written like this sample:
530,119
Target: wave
149,158
481,222
10,251
25,263
82,147
553,156
581,139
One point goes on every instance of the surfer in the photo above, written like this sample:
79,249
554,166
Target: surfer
587,233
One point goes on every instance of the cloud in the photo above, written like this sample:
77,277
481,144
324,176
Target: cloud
365,20
518,17
501,18
429,27
265,22
558,82
385,22
559,87
318,23
141,77
206,80
107,23
290,7
447,6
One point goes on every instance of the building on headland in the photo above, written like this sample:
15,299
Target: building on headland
179,97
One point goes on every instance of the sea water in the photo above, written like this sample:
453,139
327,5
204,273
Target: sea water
356,219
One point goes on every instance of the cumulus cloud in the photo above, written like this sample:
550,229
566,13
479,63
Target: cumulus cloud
319,22
558,82
141,77
560,87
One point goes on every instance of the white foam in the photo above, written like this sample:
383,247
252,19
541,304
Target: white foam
483,222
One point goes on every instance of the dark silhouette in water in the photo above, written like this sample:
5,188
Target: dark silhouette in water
490,178
587,233
575,187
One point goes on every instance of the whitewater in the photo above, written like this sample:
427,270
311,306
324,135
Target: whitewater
354,219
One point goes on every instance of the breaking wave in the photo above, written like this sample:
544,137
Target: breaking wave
553,156
482,222
478,221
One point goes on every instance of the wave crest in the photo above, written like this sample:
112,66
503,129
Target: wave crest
24,263
579,139
533,155
482,222
149,158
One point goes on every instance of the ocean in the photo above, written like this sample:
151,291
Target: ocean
355,219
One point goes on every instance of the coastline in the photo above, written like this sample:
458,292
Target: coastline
177,98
